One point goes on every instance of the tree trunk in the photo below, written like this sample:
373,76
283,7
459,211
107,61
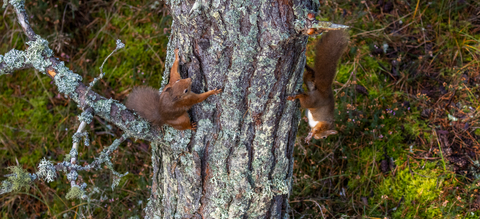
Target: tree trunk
238,163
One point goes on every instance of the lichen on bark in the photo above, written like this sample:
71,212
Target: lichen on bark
238,163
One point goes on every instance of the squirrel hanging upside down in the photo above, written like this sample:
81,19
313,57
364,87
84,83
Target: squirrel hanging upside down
319,101
172,105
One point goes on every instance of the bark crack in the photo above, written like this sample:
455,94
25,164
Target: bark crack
203,176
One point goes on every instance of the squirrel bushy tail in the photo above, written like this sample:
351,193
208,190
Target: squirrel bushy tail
329,49
319,99
146,102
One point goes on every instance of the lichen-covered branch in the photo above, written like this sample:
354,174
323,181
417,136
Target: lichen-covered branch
40,56
20,178
307,24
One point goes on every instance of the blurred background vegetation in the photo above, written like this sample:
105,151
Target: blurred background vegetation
407,110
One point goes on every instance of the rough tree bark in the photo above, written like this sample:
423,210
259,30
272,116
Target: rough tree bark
238,164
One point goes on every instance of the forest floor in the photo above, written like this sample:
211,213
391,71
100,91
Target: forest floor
407,109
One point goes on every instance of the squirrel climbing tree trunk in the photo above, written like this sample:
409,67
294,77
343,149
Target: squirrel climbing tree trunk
238,163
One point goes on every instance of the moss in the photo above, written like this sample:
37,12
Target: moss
477,131
343,73
419,190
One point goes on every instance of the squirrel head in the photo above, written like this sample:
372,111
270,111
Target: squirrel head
180,88
323,129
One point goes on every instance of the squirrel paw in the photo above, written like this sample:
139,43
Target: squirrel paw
308,138
217,91
291,98
194,126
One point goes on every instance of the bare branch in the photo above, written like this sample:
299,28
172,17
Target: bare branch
19,6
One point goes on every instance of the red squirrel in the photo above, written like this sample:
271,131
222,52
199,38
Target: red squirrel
171,106
318,100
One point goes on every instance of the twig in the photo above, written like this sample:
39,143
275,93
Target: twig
120,45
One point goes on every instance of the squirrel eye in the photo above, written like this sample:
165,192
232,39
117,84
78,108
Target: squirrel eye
185,91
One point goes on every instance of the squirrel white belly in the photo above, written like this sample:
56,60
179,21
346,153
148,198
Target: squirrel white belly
319,101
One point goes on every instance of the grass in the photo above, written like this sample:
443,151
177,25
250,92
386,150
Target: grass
407,110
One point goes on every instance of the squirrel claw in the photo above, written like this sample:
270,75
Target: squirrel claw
217,91
194,126
291,98
308,138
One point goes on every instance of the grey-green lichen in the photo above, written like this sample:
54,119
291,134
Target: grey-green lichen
18,179
72,176
105,158
35,54
18,4
176,144
75,192
117,177
138,127
13,59
73,152
300,13
46,170
300,23
104,107
151,209
66,80
203,130
77,136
